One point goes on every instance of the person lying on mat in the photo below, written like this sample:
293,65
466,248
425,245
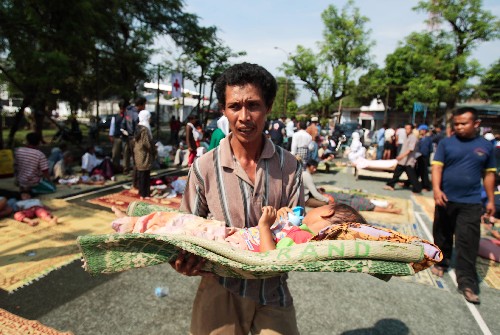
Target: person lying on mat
316,197
275,229
375,164
489,245
26,210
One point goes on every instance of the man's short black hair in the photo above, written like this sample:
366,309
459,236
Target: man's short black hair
302,125
246,73
140,101
463,110
122,104
33,139
312,162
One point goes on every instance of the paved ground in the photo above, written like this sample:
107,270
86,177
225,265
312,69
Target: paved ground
326,303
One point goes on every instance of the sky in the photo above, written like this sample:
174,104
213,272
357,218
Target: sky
258,26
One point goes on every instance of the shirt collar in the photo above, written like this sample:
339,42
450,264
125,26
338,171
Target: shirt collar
227,157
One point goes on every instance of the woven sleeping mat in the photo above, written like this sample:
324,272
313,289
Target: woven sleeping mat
119,252
112,253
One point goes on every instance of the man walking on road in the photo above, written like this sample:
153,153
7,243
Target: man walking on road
406,162
232,183
459,163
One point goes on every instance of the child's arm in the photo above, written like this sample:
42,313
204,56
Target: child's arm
266,221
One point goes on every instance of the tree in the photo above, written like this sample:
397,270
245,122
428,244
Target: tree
329,74
370,85
490,83
468,26
78,57
419,70
287,93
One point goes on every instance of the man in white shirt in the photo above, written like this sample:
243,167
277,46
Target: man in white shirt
300,143
400,137
90,161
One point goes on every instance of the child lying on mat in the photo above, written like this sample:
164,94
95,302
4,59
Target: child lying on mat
27,210
274,230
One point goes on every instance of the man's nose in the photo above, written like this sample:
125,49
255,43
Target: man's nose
244,114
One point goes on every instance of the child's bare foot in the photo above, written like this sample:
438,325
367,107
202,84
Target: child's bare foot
387,187
30,222
397,210
54,220
118,213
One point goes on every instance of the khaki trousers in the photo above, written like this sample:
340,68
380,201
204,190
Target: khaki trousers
218,311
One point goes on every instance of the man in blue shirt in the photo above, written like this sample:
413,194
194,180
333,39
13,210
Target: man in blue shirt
423,156
458,166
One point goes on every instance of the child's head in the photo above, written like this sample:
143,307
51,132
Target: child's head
324,216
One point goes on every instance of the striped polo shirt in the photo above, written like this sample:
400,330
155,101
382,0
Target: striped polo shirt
29,163
219,188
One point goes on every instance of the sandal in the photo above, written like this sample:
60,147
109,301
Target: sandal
470,296
438,271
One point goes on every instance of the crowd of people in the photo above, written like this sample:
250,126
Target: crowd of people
249,168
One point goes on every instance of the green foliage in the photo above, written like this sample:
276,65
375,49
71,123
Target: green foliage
490,83
329,74
287,92
467,26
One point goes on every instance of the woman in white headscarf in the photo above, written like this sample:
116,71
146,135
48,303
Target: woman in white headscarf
357,149
144,153
219,133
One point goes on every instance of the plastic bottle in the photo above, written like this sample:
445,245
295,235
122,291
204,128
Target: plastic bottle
161,292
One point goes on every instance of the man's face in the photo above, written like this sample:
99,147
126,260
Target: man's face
465,126
408,129
312,169
246,112
141,107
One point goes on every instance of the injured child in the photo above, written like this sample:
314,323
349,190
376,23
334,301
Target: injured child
274,230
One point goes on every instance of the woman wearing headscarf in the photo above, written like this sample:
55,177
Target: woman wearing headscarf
357,149
144,153
219,133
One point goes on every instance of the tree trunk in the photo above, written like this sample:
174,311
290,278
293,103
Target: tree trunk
1,131
17,121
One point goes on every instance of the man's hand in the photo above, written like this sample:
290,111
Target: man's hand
490,209
190,265
440,198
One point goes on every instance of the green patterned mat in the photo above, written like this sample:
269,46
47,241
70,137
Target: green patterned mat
115,252
119,252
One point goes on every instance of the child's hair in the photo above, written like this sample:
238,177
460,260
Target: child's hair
344,213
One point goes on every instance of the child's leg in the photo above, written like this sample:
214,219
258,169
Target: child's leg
45,215
26,216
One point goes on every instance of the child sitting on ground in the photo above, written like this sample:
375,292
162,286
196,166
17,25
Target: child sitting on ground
26,210
274,230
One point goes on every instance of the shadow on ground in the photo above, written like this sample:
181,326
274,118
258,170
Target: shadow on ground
38,298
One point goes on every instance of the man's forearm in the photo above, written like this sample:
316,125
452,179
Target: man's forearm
489,185
437,174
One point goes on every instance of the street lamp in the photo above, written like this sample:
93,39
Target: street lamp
286,80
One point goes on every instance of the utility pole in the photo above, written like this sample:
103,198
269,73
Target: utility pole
286,81
158,106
